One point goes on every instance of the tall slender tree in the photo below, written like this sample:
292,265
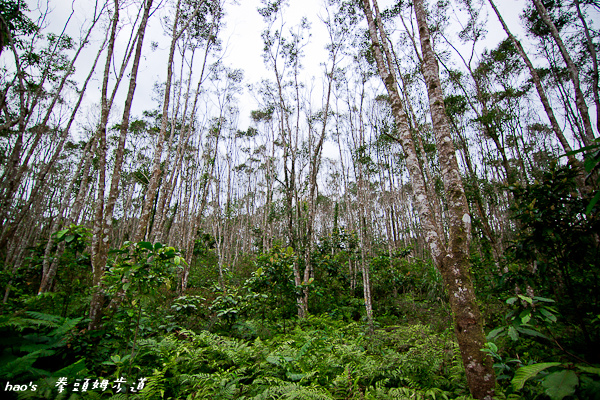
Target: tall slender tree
451,256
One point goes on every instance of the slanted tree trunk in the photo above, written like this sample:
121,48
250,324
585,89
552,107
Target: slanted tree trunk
49,268
156,164
451,257
454,261
103,217
592,49
96,256
573,73
41,178
156,170
538,84
13,174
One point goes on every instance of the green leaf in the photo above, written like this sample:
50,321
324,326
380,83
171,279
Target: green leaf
495,333
525,298
145,245
548,314
593,202
581,150
512,332
531,332
589,370
70,238
62,233
176,260
525,316
76,369
589,163
511,300
170,253
560,384
157,246
525,373
295,377
544,299
491,346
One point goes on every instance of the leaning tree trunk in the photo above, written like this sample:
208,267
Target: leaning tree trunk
592,49
153,185
538,84
573,72
156,165
451,257
104,215
454,262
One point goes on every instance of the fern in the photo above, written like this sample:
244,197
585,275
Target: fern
290,390
120,396
35,345
15,322
405,393
154,386
45,319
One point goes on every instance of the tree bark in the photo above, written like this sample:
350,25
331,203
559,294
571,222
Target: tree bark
573,72
452,257
104,214
538,84
592,49
454,264
156,165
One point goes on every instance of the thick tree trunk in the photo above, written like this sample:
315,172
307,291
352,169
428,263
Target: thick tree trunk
452,257
454,264
97,234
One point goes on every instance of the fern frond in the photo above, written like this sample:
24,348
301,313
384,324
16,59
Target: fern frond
293,391
120,396
15,322
49,320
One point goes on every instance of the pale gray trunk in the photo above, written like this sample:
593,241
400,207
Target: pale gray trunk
573,72
156,170
41,178
49,268
96,245
143,224
454,264
452,257
538,84
13,173
592,49
77,205
104,214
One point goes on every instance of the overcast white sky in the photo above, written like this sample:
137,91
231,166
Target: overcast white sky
242,43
